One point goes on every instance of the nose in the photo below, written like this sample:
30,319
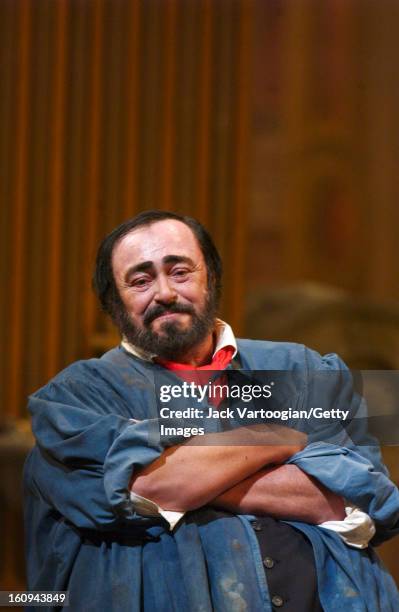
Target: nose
165,292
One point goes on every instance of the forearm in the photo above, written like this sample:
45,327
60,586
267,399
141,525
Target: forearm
188,476
283,492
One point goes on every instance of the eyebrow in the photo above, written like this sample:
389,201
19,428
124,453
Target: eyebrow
171,259
145,266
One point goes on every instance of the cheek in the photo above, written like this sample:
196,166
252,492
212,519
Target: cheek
195,295
136,304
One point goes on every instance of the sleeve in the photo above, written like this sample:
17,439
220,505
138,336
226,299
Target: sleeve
347,473
347,460
337,411
87,448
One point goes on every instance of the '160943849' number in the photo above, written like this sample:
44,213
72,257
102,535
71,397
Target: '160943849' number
37,597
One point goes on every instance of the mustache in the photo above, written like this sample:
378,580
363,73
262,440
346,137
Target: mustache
160,310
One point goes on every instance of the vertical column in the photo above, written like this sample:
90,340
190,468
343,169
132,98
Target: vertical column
55,208
18,226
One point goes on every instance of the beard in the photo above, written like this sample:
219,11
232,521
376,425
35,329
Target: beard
172,341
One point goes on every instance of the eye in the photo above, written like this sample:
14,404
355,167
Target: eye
180,273
140,283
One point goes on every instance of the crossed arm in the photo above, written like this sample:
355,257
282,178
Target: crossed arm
239,477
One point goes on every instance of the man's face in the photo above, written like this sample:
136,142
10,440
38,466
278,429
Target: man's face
162,280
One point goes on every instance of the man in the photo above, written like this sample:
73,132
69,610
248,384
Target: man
230,520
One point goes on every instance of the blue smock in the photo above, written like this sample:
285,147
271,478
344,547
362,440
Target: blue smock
84,536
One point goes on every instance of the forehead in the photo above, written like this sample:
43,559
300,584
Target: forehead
154,242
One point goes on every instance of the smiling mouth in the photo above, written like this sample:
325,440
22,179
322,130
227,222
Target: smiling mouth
169,315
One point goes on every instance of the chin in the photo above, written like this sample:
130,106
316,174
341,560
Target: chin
171,329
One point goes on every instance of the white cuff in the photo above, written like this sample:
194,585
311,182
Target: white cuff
146,507
356,529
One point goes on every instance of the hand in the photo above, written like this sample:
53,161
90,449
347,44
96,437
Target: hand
281,435
289,440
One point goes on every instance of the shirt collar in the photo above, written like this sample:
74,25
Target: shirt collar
222,330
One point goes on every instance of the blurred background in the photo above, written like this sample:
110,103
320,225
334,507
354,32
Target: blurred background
274,122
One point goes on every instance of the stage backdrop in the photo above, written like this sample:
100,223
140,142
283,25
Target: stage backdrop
109,108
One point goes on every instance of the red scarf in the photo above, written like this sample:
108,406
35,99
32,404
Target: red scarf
220,361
